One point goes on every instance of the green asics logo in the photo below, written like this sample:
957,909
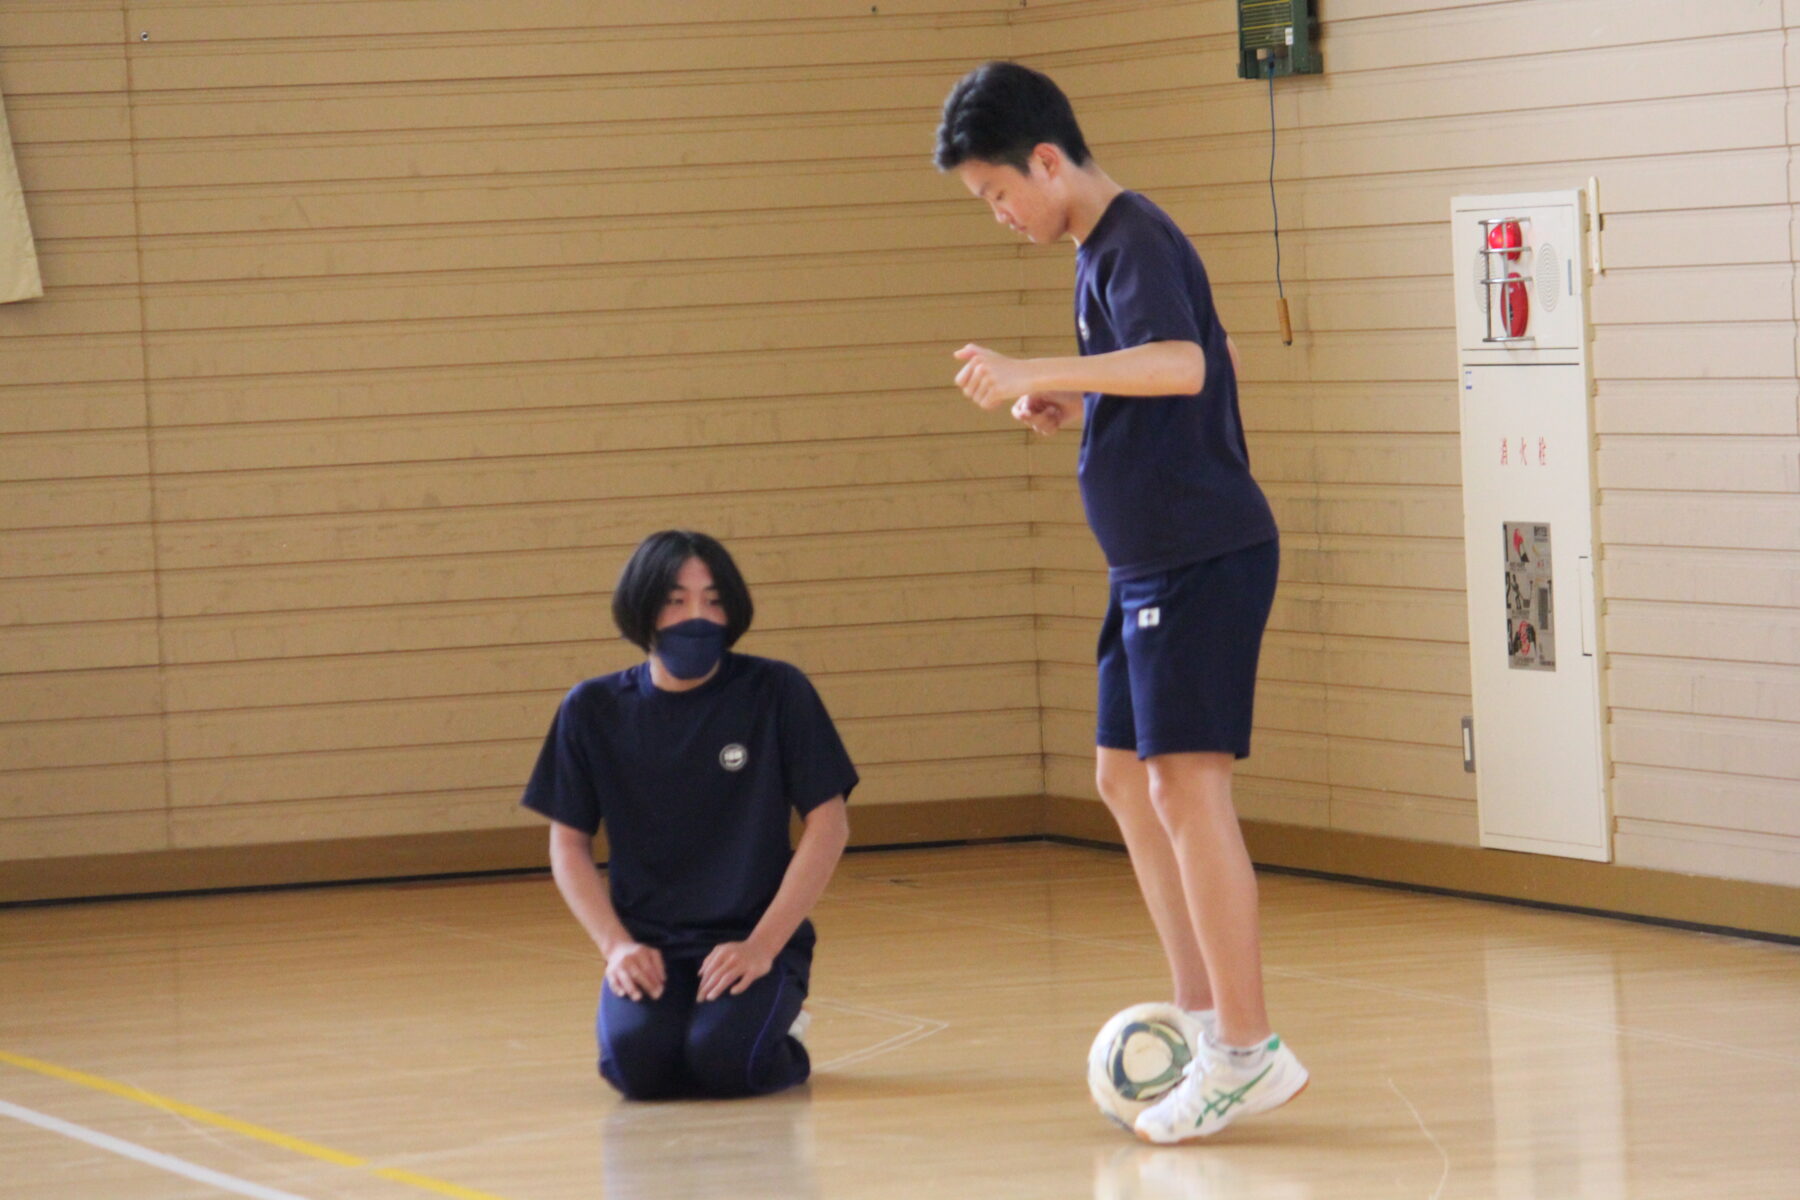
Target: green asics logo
1223,1102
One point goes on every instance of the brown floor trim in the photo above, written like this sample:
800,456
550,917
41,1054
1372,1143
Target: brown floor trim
1665,897
276,865
1763,910
436,855
949,821
1693,901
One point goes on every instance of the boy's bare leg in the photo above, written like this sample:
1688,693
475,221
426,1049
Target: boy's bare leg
1191,793
1125,786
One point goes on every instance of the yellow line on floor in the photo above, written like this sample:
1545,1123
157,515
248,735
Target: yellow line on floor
242,1128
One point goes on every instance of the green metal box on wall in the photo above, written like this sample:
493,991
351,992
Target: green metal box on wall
1278,37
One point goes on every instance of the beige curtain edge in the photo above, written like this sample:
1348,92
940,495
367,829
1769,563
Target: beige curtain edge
19,276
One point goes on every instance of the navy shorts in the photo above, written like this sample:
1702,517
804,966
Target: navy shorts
1178,654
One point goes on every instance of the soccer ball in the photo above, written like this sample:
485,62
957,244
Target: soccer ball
1138,1057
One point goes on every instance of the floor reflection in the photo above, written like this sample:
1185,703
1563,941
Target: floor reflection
1557,1078
746,1149
1202,1172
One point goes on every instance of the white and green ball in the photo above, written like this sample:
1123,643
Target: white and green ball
1138,1057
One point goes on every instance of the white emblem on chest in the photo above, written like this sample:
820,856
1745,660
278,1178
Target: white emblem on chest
733,757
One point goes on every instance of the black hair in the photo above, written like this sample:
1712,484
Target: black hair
649,576
1001,111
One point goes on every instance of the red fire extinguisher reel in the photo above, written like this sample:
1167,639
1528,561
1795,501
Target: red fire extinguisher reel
1515,308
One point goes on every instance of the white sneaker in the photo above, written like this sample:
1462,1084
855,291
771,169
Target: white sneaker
1216,1092
798,1029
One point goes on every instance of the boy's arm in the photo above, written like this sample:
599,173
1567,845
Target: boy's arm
993,380
734,966
632,968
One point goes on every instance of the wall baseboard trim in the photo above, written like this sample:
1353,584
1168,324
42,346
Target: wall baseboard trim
430,855
989,818
1760,909
1666,897
273,865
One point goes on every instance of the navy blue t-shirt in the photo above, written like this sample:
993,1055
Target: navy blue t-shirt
694,789
1165,479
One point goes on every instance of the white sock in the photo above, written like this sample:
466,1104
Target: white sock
1237,1057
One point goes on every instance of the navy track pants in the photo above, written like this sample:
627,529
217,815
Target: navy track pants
674,1046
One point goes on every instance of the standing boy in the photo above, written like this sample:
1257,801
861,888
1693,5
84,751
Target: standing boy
1192,551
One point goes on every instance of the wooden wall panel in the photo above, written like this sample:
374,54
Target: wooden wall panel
81,728
379,337
379,331
1682,112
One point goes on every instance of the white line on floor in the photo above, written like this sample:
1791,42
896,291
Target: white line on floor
154,1158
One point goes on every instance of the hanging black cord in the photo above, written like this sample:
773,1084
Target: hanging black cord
1274,211
1281,305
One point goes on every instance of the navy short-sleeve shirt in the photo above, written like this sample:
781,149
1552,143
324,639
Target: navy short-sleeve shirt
694,789
1165,479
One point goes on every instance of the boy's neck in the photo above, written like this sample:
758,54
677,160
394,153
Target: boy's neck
1091,190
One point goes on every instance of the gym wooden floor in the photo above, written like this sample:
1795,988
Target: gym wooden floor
434,1039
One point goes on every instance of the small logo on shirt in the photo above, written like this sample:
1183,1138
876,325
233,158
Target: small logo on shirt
1149,618
1081,324
733,757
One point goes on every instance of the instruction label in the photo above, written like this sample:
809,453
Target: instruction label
1530,597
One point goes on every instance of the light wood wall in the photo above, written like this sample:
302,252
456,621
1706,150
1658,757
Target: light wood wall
371,346
378,333
1683,113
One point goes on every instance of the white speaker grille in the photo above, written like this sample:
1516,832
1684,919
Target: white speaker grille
1549,277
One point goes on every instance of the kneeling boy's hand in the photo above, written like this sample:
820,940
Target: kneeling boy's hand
634,970
732,967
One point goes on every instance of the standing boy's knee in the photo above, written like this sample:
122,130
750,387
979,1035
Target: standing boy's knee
1125,786
1119,776
1181,786
1166,799
1173,794
1107,778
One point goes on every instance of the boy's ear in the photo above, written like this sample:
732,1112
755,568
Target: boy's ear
1050,157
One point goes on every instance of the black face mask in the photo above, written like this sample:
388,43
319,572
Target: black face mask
691,649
